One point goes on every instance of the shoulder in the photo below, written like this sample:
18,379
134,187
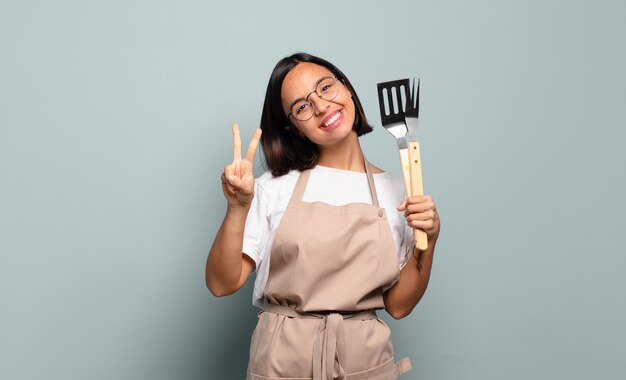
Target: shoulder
390,185
270,184
383,174
376,169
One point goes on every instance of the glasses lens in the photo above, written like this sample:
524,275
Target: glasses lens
302,110
327,89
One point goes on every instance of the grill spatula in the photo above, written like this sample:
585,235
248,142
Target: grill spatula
395,122
392,117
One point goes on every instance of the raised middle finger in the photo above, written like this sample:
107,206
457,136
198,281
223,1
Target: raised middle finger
254,143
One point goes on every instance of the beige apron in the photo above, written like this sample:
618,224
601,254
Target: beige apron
328,265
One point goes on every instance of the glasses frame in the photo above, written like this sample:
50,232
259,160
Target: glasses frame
306,98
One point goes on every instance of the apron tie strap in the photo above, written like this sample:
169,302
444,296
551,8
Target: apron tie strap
329,349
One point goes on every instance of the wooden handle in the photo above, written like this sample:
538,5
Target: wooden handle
417,188
406,173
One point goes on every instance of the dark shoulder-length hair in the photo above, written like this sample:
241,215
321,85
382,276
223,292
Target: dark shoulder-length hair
284,149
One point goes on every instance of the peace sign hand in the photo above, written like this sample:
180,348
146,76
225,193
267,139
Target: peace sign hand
238,177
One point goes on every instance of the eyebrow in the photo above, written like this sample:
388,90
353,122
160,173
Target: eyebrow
316,83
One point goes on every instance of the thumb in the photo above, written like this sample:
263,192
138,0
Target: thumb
402,206
234,181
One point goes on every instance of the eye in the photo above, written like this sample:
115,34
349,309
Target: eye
326,87
301,107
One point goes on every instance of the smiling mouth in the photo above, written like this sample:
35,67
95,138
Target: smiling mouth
331,120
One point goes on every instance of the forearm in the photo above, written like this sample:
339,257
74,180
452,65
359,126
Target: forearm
224,264
414,276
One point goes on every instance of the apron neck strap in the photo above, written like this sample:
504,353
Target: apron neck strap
370,182
298,192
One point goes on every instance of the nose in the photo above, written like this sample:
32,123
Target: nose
320,105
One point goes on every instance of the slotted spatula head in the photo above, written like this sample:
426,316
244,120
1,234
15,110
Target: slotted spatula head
391,99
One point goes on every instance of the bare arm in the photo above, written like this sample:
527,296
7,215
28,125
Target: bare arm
400,300
227,268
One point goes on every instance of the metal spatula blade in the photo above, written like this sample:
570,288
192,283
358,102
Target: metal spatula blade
391,103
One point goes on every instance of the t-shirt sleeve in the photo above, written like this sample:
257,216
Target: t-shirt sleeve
257,225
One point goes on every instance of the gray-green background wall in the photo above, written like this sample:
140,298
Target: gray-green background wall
115,125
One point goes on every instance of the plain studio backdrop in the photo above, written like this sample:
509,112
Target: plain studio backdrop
115,126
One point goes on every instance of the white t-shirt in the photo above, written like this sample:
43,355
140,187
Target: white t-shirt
333,186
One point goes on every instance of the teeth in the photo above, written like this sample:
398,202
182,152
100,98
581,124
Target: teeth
332,120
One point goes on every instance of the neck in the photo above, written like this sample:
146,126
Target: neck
346,155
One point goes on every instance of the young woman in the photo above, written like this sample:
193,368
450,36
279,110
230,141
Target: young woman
328,233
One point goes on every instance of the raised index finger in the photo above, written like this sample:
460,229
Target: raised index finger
236,143
254,143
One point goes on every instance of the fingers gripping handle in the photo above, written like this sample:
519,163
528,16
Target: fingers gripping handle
417,188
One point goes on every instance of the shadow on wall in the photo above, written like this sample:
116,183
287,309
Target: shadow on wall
232,320
213,343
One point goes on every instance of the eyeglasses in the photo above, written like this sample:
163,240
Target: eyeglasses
326,89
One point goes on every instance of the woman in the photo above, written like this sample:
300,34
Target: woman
329,234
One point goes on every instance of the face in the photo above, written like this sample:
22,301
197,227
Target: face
332,120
